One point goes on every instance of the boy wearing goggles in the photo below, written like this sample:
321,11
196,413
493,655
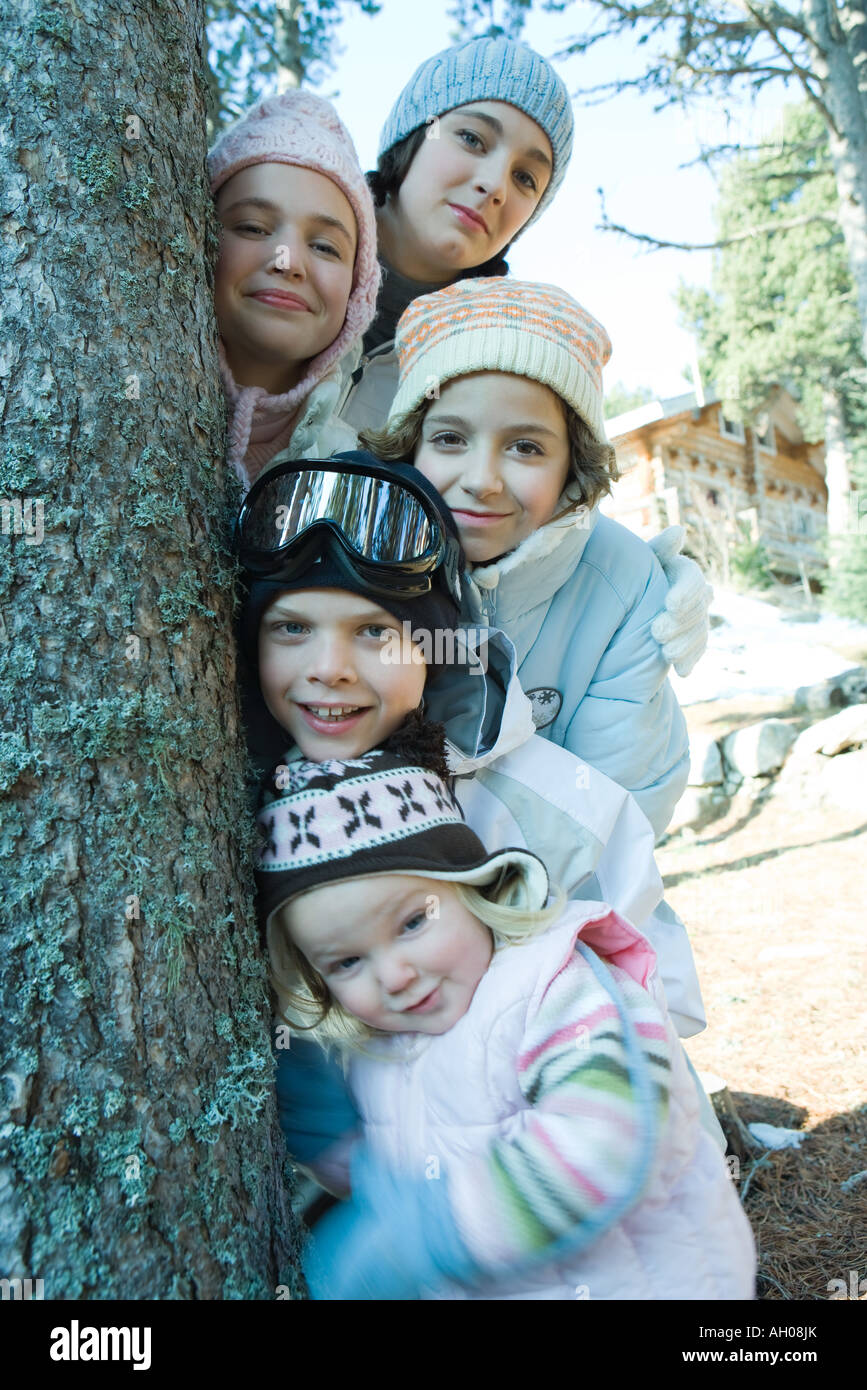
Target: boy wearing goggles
355,570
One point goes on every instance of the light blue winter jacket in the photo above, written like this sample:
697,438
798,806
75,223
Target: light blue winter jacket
577,599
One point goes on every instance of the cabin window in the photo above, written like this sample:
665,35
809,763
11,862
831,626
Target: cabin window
766,438
731,429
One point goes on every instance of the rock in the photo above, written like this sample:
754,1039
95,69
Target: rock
697,807
773,1137
847,688
824,695
705,762
844,782
848,729
854,685
759,749
855,1179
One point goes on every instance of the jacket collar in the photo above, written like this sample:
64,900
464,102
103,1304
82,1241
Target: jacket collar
485,712
533,572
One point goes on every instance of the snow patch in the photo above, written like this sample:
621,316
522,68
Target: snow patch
773,1137
761,649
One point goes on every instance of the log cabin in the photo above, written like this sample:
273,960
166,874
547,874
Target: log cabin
684,462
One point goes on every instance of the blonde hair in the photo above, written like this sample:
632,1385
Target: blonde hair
304,1000
592,464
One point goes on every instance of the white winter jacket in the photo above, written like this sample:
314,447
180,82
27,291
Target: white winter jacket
519,790
434,1105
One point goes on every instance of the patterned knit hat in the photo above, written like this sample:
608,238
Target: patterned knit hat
486,69
385,812
503,325
301,129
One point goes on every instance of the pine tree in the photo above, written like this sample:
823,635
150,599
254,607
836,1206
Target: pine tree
782,309
258,47
140,1156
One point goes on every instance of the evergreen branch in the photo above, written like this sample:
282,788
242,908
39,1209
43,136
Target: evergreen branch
703,30
762,70
771,27
762,229
777,17
773,151
709,49
798,176
258,26
805,76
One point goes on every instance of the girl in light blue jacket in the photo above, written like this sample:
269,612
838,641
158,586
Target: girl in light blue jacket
500,407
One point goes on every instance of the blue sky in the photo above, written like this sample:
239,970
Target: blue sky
620,145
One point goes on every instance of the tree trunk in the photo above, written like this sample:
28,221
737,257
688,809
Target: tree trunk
836,468
139,1153
287,42
738,1139
840,36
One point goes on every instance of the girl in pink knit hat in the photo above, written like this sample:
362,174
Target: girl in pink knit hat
296,279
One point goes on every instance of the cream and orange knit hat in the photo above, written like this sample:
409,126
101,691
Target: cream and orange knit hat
503,325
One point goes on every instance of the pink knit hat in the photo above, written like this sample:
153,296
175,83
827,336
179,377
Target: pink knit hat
302,129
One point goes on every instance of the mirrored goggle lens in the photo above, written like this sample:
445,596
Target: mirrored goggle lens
379,519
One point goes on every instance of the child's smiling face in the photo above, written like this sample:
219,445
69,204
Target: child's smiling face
329,674
400,953
496,447
284,273
471,186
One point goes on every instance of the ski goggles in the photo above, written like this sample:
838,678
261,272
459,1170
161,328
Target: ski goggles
381,526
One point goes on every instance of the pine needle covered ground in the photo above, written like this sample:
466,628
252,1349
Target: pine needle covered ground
773,896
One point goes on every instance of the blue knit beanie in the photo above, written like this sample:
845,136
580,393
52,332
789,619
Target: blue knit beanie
488,70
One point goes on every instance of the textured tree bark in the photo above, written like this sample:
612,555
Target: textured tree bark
840,35
837,477
139,1151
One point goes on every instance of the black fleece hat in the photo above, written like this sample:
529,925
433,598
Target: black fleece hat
435,609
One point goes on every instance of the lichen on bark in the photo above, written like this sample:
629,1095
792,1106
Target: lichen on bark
139,1151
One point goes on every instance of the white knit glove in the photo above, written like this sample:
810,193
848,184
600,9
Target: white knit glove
682,627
